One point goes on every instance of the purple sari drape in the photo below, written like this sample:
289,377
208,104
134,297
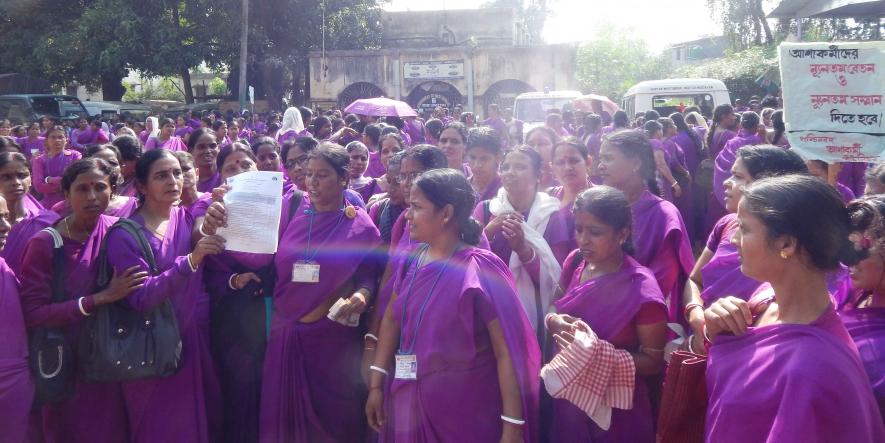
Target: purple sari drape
184,406
208,185
456,396
95,412
867,328
608,304
661,243
789,383
32,148
722,274
36,218
16,385
311,385
853,175
375,168
52,168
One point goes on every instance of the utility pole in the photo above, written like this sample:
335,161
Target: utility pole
244,42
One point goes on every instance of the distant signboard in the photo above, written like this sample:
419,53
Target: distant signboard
833,99
433,70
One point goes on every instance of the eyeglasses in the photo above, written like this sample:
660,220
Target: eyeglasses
292,162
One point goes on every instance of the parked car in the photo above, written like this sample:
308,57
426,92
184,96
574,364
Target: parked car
103,109
24,108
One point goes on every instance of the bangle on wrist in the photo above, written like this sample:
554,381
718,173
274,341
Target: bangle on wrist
232,281
202,231
690,307
370,336
675,184
81,304
190,262
378,370
706,337
513,421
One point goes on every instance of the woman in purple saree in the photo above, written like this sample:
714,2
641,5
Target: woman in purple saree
185,406
203,145
94,412
26,215
626,163
458,331
621,302
864,315
717,272
787,370
311,385
16,385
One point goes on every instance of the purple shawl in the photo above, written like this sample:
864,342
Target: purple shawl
368,190
661,243
608,304
491,191
692,152
95,412
192,394
376,168
722,274
415,129
52,168
311,389
726,158
174,143
208,185
853,176
16,387
182,131
32,147
456,362
35,220
720,138
867,327
789,383
291,134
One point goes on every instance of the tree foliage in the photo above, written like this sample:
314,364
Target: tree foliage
738,70
613,61
743,22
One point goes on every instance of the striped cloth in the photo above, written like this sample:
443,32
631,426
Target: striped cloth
594,376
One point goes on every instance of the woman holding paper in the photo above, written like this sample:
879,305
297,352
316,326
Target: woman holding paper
184,406
311,388
236,282
619,299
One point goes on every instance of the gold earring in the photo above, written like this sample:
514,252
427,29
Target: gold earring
784,255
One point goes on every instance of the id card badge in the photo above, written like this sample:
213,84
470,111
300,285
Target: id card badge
406,367
305,272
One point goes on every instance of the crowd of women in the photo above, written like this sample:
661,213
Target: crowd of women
428,269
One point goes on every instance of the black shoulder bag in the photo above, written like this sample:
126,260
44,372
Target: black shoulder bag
119,343
50,358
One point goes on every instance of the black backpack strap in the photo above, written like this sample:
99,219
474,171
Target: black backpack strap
487,211
58,265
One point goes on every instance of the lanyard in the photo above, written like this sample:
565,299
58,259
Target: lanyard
402,348
312,212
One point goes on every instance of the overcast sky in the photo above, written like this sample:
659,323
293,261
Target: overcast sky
659,23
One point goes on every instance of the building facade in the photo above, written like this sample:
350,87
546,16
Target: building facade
467,58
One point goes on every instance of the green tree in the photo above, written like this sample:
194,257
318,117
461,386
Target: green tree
738,70
743,22
613,61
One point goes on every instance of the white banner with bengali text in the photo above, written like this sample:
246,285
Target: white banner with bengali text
833,95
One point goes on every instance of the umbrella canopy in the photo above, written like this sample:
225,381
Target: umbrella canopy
380,107
582,103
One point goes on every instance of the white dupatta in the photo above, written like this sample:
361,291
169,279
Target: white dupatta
549,270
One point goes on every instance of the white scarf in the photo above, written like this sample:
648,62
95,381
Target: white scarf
292,120
155,126
533,230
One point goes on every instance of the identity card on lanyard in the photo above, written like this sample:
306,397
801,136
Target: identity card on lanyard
305,271
308,271
406,360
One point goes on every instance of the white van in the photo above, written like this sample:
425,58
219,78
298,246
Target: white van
532,107
674,95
